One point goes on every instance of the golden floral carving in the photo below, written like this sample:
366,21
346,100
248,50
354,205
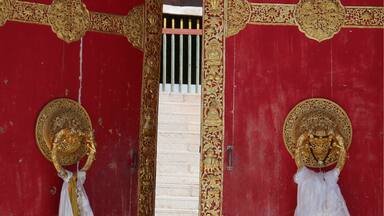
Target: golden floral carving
29,12
315,129
69,19
364,17
272,14
5,11
149,100
133,26
319,19
239,13
212,133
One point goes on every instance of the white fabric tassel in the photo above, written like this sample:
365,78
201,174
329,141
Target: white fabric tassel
82,198
319,194
65,207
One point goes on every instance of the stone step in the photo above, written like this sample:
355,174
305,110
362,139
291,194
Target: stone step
177,137
179,108
178,133
180,168
177,202
178,157
180,126
168,145
171,141
175,97
184,190
176,212
179,117
177,179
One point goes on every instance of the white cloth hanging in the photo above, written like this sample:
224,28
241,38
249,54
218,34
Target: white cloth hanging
319,194
82,198
65,207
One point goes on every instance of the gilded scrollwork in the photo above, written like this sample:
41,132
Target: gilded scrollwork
364,17
29,12
70,19
212,133
5,11
317,19
149,100
272,14
239,13
133,26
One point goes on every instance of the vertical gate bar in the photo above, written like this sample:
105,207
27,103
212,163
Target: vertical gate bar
197,59
173,57
189,57
164,57
181,41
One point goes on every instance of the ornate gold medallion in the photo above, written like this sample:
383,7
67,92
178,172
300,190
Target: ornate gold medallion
319,19
65,124
317,129
5,10
69,19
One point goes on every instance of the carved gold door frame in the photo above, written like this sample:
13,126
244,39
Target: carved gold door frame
149,107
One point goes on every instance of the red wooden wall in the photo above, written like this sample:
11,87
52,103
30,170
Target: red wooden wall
271,68
36,67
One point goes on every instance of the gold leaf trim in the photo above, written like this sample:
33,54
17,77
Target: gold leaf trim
320,21
212,131
149,106
239,14
133,26
29,12
272,14
5,11
70,19
364,17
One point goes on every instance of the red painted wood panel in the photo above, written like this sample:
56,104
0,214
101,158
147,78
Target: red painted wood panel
271,68
36,67
112,92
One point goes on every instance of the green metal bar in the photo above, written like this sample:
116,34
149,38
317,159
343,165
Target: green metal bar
164,62
181,41
197,60
189,57
173,58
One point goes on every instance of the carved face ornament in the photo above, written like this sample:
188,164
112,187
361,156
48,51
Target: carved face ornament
316,129
64,133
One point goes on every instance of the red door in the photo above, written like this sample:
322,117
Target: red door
36,67
269,69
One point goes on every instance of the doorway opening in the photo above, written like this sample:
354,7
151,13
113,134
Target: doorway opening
178,143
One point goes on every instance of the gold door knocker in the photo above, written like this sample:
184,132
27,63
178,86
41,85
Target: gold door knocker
64,134
318,133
